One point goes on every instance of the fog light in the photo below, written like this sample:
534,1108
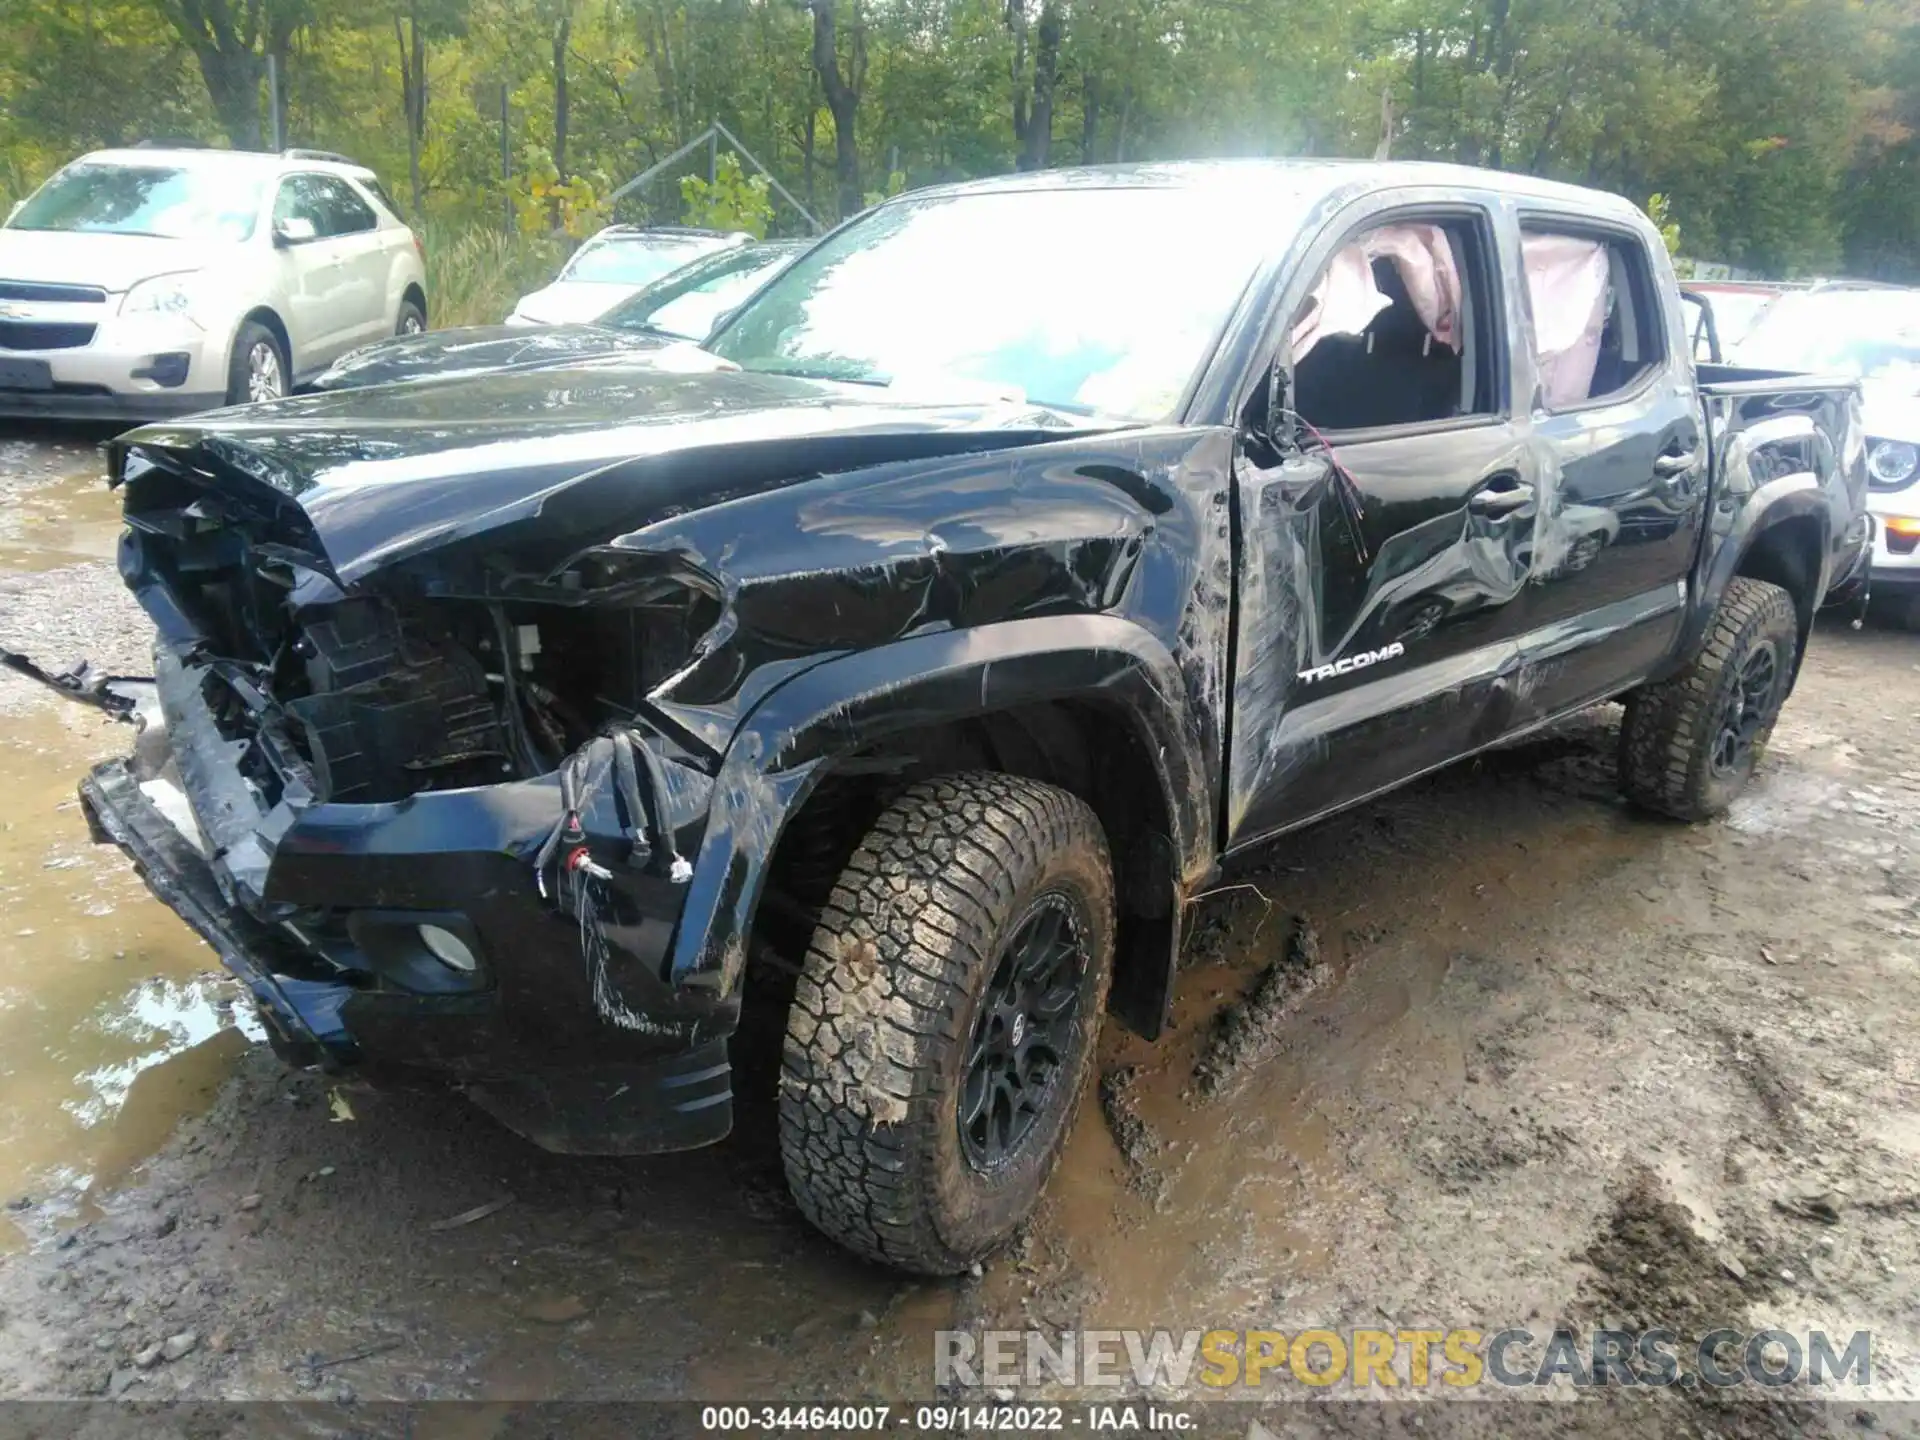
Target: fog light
169,370
448,948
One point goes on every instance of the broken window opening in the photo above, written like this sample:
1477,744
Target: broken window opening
1392,332
1596,323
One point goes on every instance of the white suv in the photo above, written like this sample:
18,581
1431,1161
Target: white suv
137,283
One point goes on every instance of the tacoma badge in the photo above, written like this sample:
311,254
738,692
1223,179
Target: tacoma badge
1348,663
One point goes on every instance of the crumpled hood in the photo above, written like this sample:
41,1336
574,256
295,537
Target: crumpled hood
557,457
443,354
111,262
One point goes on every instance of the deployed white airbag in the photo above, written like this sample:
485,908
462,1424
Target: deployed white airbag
1567,285
1346,299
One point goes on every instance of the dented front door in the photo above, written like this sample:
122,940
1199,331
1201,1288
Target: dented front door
1385,571
1373,635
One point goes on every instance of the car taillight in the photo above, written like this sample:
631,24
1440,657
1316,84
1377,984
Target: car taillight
419,246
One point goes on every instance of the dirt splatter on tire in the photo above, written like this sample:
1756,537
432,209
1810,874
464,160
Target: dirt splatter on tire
906,952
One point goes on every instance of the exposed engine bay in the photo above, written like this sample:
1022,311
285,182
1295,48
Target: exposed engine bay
380,696
386,701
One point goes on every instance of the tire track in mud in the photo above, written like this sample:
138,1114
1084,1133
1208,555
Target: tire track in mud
1248,1031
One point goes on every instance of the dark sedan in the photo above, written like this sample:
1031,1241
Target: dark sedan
684,305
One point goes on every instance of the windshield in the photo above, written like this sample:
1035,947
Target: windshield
632,260
1089,300
154,200
689,301
1872,334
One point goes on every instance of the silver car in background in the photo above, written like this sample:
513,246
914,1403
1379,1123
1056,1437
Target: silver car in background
1872,332
612,265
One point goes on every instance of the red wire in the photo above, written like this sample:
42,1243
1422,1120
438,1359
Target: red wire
1349,484
1333,459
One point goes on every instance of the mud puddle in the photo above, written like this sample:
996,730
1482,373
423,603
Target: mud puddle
1227,1178
115,1021
58,512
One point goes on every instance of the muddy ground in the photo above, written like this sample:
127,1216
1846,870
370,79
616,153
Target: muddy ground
1496,1051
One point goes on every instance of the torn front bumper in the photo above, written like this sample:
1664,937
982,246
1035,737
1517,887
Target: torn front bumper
565,1026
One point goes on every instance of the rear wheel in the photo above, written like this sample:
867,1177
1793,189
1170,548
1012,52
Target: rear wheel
944,1023
1688,744
257,370
412,321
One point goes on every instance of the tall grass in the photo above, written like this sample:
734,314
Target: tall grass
475,273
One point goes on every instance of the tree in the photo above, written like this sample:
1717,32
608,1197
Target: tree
415,24
562,102
81,76
841,87
412,44
230,41
1783,131
1033,85
1879,201
732,200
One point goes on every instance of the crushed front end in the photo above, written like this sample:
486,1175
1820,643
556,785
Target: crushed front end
426,821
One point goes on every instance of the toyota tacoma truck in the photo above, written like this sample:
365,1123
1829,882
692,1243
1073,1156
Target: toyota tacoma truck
925,640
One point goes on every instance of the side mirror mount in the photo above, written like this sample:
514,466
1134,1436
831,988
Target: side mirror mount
294,230
1282,434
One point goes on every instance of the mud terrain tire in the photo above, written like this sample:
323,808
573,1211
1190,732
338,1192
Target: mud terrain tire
1689,743
912,1004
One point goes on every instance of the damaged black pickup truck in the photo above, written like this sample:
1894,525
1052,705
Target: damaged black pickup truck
1024,550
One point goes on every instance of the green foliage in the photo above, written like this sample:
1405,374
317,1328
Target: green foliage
733,200
1661,213
475,274
896,183
544,203
1782,130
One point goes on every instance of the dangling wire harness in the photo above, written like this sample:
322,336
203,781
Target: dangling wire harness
647,825
1346,488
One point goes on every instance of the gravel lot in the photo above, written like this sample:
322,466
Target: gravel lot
1500,1052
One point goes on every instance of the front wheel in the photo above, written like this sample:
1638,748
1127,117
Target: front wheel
1689,743
257,370
943,1026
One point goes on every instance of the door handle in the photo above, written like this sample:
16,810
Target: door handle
1669,465
1500,497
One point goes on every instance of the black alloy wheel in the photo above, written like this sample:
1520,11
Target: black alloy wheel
943,1026
1750,708
1689,743
1021,1034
